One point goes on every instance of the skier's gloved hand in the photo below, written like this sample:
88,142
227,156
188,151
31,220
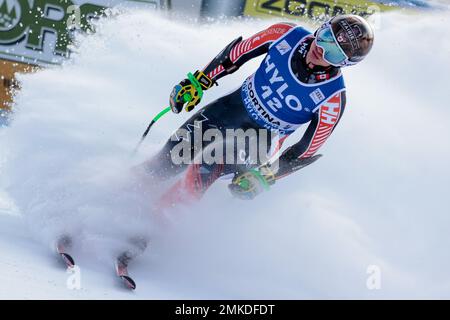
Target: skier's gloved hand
248,185
189,91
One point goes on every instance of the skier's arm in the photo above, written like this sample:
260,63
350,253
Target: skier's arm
319,130
239,51
251,183
190,91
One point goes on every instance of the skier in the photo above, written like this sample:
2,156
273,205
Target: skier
299,81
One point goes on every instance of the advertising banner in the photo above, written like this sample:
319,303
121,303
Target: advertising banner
38,32
311,9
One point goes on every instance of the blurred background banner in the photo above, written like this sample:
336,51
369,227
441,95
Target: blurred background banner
39,33
295,9
311,9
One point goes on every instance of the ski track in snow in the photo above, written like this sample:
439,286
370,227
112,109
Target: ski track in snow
377,197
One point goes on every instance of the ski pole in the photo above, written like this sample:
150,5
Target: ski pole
187,97
155,119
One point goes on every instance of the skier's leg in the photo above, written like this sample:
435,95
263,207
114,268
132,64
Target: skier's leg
200,176
226,113
191,187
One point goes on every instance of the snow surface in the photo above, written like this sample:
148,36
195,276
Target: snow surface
377,197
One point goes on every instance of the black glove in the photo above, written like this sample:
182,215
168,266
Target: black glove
189,90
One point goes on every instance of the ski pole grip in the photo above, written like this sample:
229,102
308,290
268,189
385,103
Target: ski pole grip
196,84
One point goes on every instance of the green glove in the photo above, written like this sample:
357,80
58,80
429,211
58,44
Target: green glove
248,185
189,91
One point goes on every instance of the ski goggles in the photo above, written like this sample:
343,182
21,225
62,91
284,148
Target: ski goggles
332,52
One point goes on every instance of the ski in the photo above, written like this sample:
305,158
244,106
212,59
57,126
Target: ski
137,246
122,271
62,245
